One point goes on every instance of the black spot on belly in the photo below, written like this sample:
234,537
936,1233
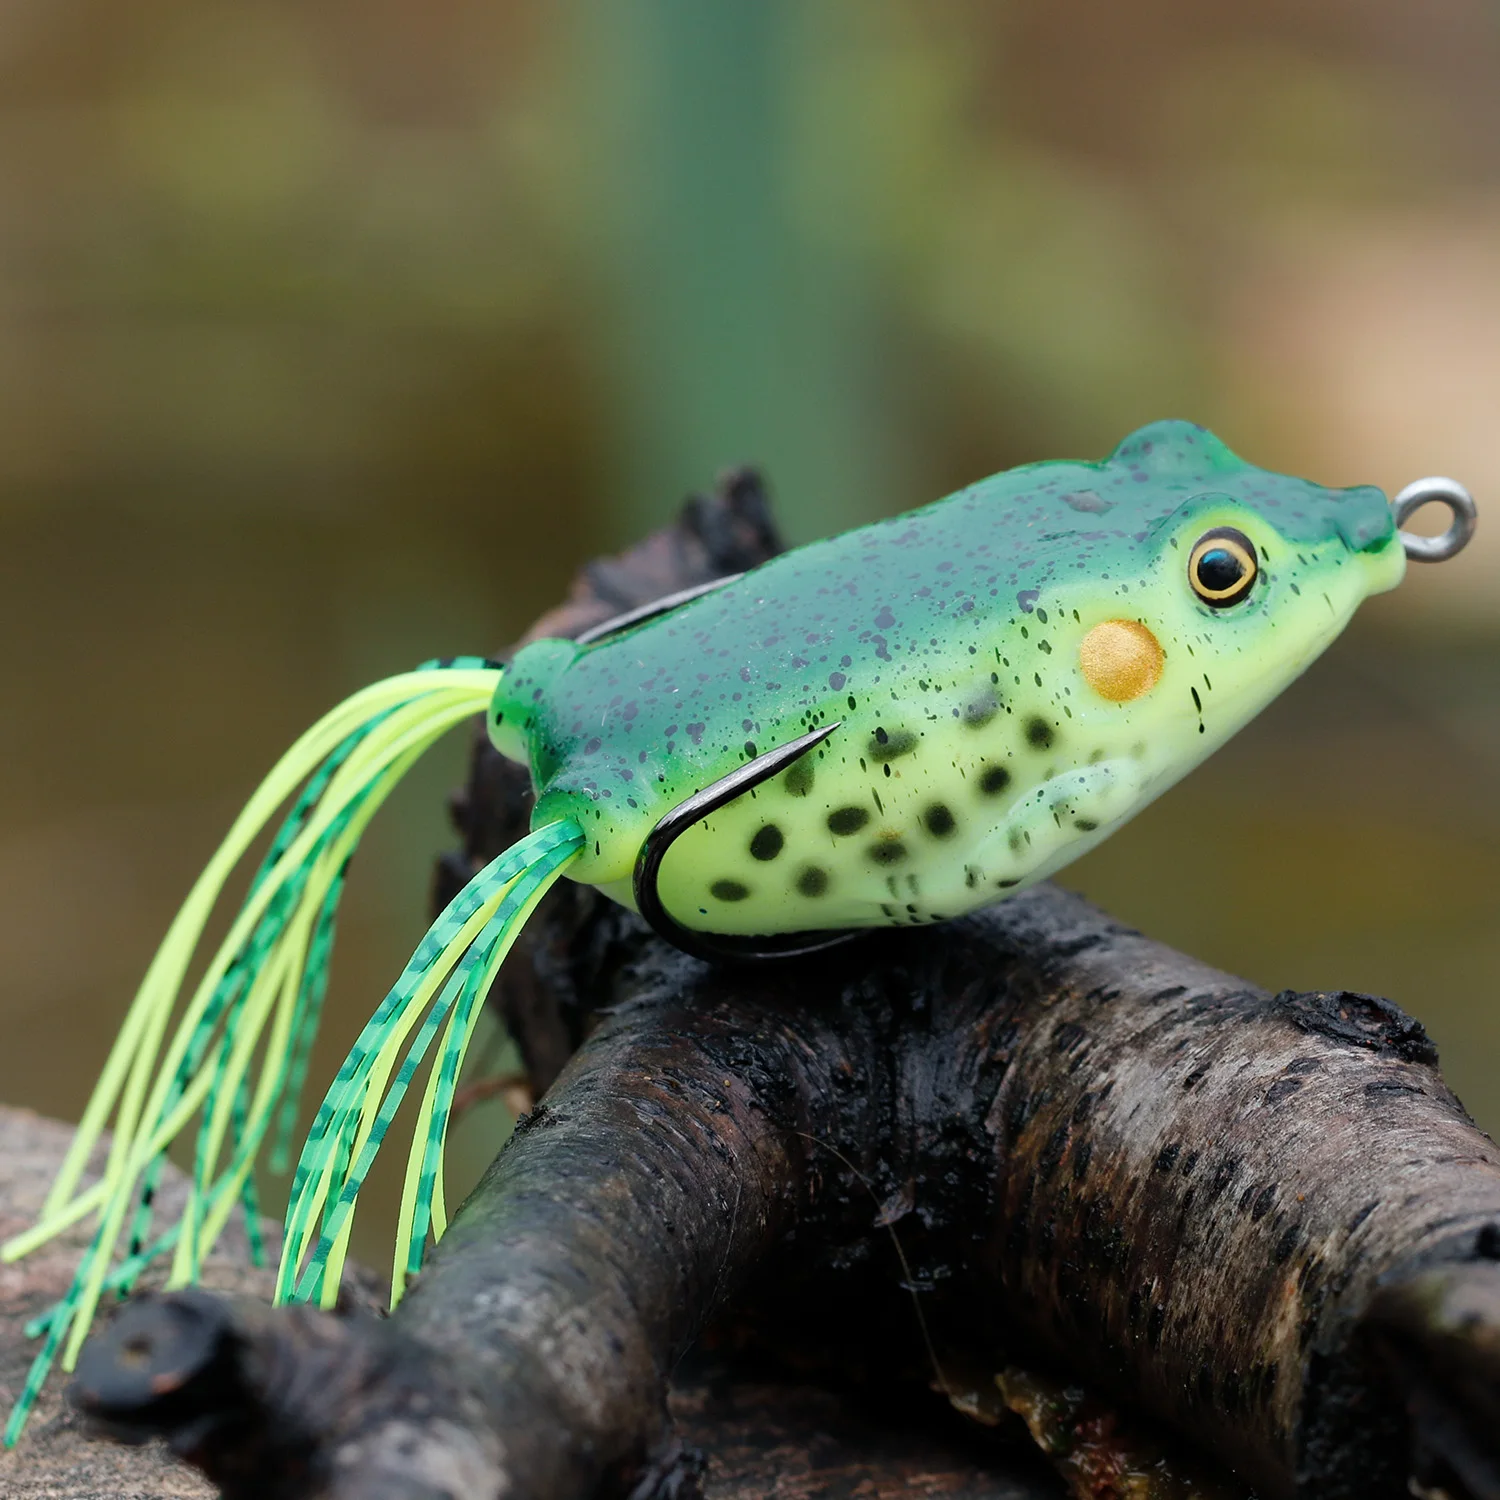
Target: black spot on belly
1085,825
813,881
979,711
799,777
729,890
888,851
993,780
885,746
767,844
843,820
1039,733
938,820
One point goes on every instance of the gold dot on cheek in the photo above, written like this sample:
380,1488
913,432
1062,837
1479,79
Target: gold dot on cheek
1121,660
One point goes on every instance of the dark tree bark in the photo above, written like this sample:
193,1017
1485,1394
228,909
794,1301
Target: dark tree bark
1029,1136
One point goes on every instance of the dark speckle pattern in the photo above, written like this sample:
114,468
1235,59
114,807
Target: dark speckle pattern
847,820
1039,733
938,820
798,779
886,745
993,780
767,843
981,710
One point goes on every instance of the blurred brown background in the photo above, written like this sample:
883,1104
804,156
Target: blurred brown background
333,336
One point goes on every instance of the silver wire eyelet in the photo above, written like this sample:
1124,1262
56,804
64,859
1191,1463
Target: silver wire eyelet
1460,504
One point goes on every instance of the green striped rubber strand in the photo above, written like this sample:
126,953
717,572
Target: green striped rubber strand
305,1024
67,1213
345,1117
261,954
421,975
145,1019
444,709
249,1196
140,1225
245,972
345,1201
317,1126
270,1000
422,1197
47,1227
188,916
261,958
83,1296
349,1118
476,969
346,830
41,1366
423,1188
219,1205
330,1140
315,969
435,719
287,972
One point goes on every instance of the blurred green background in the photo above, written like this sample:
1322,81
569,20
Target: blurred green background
335,335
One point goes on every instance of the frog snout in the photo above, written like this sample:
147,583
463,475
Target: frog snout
1121,660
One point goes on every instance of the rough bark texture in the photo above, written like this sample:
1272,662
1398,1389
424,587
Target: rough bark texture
58,1458
768,1436
1029,1136
1093,1151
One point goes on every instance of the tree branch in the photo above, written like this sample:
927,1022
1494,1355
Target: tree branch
1250,1216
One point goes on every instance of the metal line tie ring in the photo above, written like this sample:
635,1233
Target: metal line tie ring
1460,504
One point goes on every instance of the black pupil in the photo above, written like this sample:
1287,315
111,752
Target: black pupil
1219,570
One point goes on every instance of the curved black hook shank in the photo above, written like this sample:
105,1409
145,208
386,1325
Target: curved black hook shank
682,817
643,612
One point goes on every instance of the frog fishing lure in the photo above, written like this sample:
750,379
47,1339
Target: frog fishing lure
892,727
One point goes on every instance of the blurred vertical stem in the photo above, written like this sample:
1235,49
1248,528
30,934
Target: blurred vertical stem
731,336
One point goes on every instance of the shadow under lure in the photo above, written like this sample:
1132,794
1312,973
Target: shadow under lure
893,726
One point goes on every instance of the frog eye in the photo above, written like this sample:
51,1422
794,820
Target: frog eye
1222,567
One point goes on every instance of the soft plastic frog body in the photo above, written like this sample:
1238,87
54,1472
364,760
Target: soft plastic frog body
1013,671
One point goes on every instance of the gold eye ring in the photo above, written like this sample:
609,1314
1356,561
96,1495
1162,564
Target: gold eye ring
1222,566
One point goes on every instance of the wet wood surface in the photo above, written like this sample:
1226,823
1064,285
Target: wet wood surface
763,1439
